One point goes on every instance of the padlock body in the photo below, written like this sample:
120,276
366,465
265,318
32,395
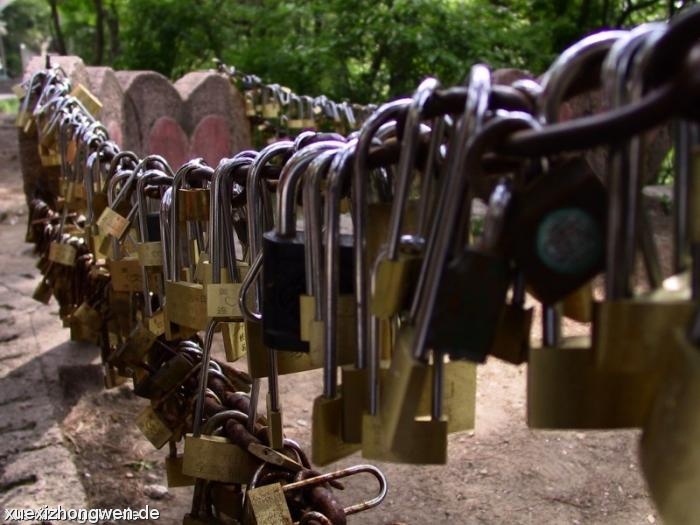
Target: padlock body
468,307
559,224
669,452
284,281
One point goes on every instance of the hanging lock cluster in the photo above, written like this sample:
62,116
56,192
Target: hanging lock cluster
404,254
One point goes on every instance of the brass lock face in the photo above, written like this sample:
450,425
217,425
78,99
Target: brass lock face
172,373
398,433
235,344
621,346
88,99
195,204
173,471
216,459
669,446
327,443
566,390
153,427
275,433
42,293
578,305
512,339
126,275
186,304
269,506
133,351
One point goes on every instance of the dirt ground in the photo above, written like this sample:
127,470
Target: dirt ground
500,473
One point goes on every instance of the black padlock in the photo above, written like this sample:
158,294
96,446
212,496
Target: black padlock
465,288
284,269
560,221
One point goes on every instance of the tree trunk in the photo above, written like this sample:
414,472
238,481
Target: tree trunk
112,18
99,32
56,21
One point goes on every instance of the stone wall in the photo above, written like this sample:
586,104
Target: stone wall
200,115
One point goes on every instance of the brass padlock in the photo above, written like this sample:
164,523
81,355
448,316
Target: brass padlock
217,459
391,430
670,455
173,469
565,389
235,344
153,427
512,340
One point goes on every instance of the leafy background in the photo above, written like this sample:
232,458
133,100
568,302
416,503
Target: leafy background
356,50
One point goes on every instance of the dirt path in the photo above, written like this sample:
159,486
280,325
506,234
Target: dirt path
502,473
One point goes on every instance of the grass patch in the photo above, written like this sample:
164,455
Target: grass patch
10,105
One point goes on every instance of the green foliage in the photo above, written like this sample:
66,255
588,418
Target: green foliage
27,22
666,171
359,50
9,105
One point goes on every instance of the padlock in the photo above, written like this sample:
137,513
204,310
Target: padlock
327,443
311,304
391,430
617,347
397,270
464,296
235,343
173,469
215,458
89,101
153,427
512,339
212,457
258,356
268,502
563,211
669,451
566,389
355,377
186,301
284,275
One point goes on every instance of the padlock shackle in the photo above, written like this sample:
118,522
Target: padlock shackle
64,130
257,203
218,420
203,377
292,172
566,69
220,221
339,171
91,140
386,113
345,473
407,161
181,178
254,192
451,198
313,224
248,281
35,81
166,202
152,177
625,169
